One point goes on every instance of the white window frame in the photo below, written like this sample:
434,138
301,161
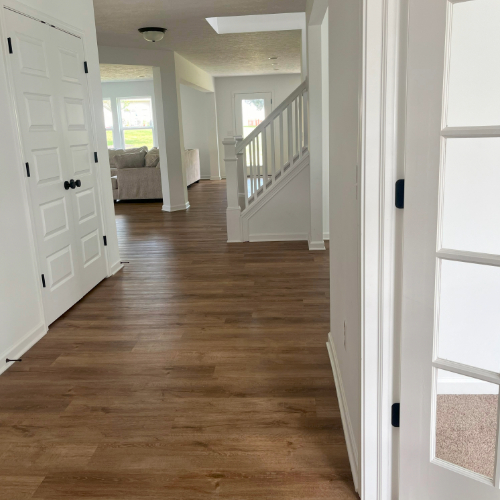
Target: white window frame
113,118
122,129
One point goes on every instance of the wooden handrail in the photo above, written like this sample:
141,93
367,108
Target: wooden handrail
299,90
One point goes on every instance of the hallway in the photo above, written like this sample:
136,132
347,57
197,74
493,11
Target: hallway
199,370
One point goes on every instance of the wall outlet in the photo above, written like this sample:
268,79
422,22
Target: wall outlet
345,336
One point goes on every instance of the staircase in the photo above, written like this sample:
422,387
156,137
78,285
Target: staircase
267,176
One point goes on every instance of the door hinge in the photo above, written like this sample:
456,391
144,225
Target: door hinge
95,158
395,415
43,281
105,241
85,66
9,41
400,193
28,169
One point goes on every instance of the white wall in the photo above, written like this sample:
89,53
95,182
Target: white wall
21,314
281,86
116,90
196,125
345,42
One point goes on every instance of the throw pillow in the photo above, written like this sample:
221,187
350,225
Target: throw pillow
130,160
152,158
113,153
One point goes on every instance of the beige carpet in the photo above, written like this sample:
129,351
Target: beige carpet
466,428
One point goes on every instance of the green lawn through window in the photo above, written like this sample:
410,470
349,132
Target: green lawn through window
138,138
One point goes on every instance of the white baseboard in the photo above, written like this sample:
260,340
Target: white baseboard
352,449
216,178
278,237
316,245
205,178
326,236
26,343
175,208
117,266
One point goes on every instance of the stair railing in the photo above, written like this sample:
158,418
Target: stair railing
254,164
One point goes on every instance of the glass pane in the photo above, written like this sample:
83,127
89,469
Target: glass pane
109,137
474,77
469,314
254,113
471,215
108,114
136,112
466,422
138,138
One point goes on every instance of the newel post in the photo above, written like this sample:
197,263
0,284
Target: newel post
233,211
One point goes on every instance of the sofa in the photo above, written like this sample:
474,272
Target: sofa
136,174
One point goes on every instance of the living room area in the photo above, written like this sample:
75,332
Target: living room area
131,121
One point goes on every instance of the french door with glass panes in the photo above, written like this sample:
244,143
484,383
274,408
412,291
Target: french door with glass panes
451,289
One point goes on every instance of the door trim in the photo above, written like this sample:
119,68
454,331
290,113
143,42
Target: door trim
381,163
22,9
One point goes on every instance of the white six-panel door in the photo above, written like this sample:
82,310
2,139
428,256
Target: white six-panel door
451,289
56,134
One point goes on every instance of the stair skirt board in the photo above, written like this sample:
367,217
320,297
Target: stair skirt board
301,234
352,450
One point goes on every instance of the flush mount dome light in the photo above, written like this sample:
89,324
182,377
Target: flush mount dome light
152,34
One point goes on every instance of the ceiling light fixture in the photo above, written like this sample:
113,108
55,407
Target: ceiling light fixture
153,34
273,58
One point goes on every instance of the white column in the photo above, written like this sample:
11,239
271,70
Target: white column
213,139
233,211
316,241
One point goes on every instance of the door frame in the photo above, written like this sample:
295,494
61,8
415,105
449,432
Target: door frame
22,9
382,102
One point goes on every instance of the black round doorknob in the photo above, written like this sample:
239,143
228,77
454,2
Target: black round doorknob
78,183
66,185
72,184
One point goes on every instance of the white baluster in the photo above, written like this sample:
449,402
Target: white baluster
296,152
300,125
264,158
282,138
306,121
273,153
290,134
254,167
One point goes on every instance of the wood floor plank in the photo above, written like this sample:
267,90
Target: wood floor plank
198,370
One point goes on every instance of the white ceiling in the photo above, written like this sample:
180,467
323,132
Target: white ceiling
190,35
121,72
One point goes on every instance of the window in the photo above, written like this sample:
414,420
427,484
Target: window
136,115
254,113
108,121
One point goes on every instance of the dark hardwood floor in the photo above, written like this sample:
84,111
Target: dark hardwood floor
199,371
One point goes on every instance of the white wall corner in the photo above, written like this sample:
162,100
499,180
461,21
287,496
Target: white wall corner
352,449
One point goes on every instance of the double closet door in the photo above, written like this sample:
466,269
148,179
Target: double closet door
53,113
